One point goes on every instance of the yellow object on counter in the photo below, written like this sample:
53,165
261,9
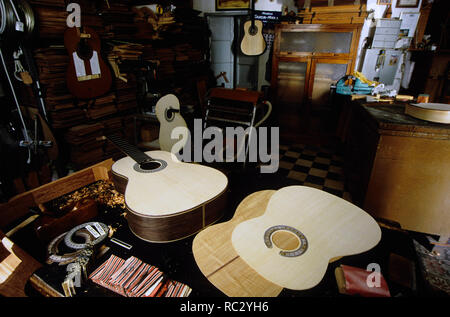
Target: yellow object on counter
363,79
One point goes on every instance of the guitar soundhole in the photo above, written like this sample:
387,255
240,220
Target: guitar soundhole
170,114
290,241
84,51
253,30
150,166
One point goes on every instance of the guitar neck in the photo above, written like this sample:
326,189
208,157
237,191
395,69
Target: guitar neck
253,12
129,149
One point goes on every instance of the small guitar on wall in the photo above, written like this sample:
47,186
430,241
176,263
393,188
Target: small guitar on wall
253,42
88,76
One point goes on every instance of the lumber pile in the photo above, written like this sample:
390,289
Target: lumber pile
337,14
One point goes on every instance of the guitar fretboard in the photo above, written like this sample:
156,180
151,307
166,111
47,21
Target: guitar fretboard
129,149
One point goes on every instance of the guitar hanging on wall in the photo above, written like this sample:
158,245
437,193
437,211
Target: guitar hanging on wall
253,42
88,76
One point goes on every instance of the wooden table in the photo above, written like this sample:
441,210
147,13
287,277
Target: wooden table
398,167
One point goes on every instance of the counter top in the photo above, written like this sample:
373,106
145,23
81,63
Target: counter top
391,119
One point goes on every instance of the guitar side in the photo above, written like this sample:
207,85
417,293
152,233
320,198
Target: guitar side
173,203
253,44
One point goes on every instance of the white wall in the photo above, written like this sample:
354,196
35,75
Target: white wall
378,13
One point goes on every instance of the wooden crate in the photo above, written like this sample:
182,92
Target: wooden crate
16,266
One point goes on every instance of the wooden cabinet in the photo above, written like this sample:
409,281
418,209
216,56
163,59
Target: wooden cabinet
398,167
308,58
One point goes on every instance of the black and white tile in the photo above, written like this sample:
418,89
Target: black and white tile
314,166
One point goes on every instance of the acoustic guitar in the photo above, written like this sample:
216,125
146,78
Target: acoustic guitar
282,239
88,76
253,42
167,199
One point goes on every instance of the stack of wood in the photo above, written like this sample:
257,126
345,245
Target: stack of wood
102,107
123,52
52,63
51,16
120,57
130,125
112,125
150,24
337,14
126,93
185,52
118,21
145,30
86,144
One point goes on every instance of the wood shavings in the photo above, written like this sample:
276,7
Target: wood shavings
103,192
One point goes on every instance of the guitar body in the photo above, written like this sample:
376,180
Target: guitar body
253,42
169,120
87,76
301,230
171,202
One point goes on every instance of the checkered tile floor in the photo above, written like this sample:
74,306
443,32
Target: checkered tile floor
314,166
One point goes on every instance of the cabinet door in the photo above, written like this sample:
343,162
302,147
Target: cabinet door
315,42
324,73
291,82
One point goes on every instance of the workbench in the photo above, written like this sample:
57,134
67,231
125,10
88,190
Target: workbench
398,167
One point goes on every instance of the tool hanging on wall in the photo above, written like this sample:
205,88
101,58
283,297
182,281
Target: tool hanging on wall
16,26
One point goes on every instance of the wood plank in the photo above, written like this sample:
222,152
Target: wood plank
16,267
220,263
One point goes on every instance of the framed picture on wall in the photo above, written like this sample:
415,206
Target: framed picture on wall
407,4
232,5
385,2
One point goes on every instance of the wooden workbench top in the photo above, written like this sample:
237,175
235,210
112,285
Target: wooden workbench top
391,119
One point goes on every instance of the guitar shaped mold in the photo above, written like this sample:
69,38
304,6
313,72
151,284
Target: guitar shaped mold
167,199
301,230
168,114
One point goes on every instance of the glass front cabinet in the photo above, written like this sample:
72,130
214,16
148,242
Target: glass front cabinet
307,59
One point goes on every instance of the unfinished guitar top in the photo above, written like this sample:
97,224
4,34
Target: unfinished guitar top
219,262
168,114
302,228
